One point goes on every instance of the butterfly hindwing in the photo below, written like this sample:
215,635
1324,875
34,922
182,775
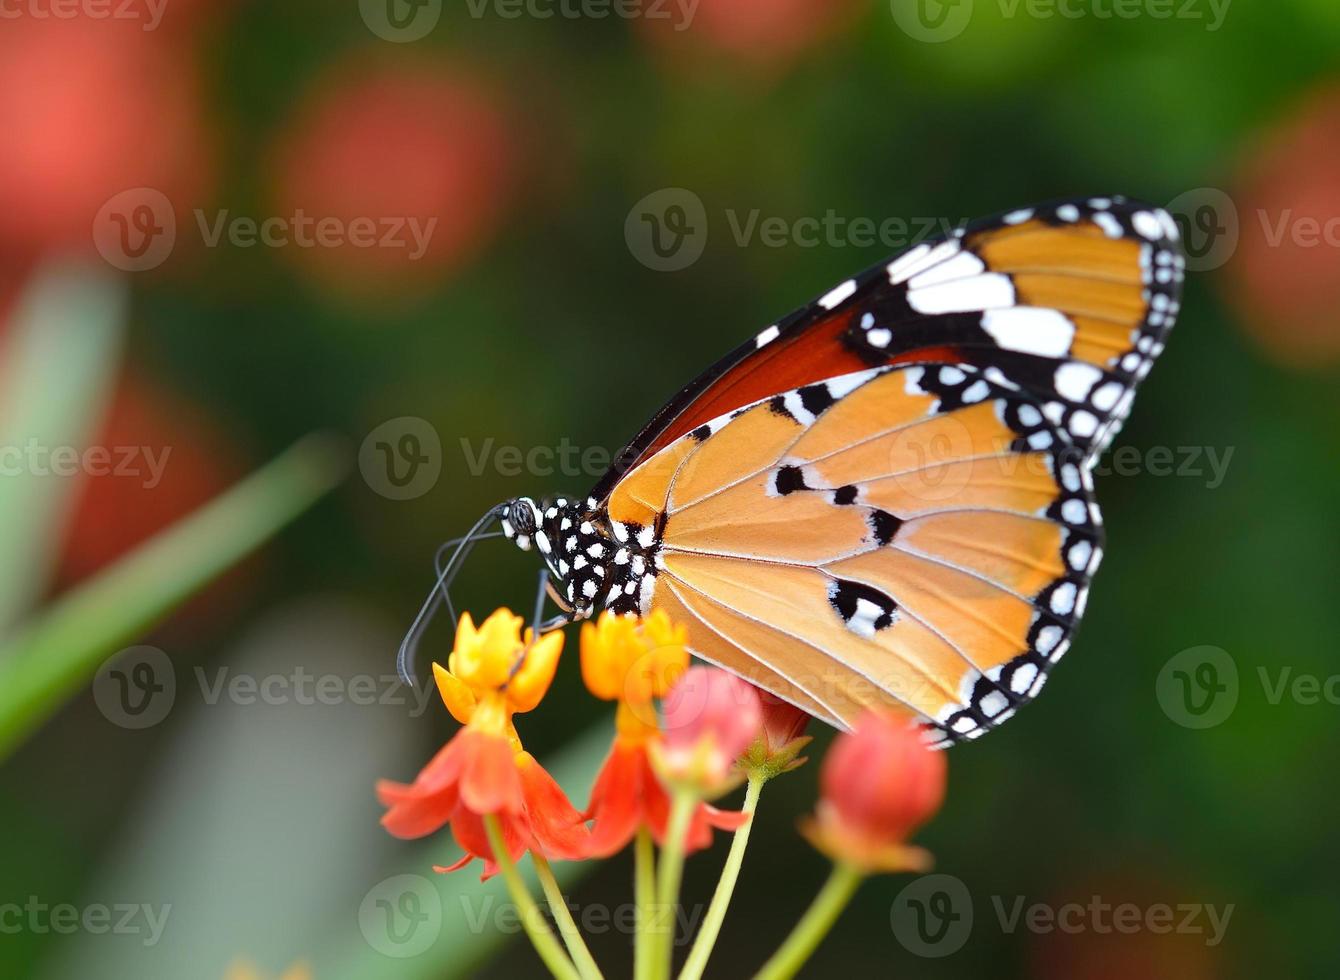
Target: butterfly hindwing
918,537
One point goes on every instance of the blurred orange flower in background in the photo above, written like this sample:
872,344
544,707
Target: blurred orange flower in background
90,108
162,456
1283,275
414,145
766,35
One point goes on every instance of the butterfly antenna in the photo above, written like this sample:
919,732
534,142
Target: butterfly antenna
440,593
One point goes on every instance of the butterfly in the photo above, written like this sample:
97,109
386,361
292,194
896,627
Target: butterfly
885,499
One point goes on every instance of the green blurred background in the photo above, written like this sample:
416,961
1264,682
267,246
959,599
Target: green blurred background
540,315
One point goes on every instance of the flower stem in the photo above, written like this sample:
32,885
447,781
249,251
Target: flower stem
813,925
572,936
716,911
644,894
532,919
669,877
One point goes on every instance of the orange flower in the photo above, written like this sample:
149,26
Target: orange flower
491,674
879,783
633,663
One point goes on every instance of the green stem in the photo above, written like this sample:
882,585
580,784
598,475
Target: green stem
813,925
644,894
532,919
572,936
670,875
716,911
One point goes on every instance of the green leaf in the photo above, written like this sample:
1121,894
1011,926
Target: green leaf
54,656
56,371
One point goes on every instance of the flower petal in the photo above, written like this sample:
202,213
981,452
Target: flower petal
489,782
617,800
530,684
558,829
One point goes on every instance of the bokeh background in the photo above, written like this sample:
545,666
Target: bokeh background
542,155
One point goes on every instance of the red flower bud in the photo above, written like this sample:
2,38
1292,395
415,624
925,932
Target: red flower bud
879,784
711,717
779,743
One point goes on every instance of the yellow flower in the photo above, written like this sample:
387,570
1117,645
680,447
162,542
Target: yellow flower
494,671
624,660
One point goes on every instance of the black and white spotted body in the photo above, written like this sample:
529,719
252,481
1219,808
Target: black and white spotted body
594,562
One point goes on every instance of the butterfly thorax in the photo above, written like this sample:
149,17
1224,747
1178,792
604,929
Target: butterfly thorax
594,562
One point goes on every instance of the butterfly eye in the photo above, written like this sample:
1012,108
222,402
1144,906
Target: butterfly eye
521,516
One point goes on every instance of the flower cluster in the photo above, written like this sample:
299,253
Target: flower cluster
683,737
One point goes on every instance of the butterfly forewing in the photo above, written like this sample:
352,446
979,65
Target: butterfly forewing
1071,301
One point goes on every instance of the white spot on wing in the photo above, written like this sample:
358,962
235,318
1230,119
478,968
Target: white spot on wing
1147,225
1074,380
986,292
837,294
1030,330
961,266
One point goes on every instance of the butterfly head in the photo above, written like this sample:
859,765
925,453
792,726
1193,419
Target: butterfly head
575,548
